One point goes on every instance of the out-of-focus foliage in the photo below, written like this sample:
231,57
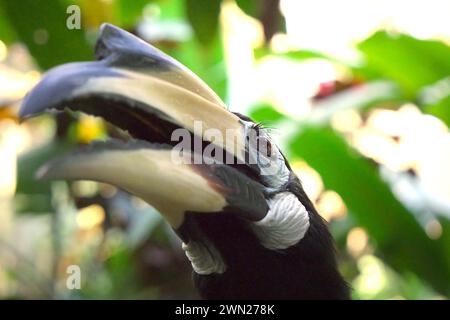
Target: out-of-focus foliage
410,62
204,18
7,33
44,36
373,206
129,252
413,66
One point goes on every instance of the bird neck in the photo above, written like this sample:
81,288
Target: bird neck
307,270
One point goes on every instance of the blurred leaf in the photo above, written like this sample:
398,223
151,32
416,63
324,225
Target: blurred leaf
250,7
7,33
358,97
359,71
440,109
96,12
41,25
435,99
412,63
130,11
122,272
207,62
399,238
33,195
444,240
172,9
265,112
307,54
267,12
204,18
295,55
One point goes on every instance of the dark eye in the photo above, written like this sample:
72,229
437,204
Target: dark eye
264,146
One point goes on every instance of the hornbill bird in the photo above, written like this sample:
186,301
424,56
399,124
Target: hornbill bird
247,226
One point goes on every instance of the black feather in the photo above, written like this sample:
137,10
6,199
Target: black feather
307,270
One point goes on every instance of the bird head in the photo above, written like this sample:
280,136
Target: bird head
216,176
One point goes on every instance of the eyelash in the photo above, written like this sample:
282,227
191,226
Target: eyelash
259,126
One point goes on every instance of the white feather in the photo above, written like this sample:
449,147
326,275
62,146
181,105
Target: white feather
204,257
285,224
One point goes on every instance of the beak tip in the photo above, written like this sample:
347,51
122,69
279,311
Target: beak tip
30,106
24,111
106,31
105,27
106,40
22,116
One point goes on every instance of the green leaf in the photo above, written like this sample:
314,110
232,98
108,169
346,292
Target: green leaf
250,7
7,33
204,18
41,25
130,11
267,12
440,109
435,100
444,240
33,195
398,236
122,272
205,61
359,71
410,62
306,55
172,9
265,112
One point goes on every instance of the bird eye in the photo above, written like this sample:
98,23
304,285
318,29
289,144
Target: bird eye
264,146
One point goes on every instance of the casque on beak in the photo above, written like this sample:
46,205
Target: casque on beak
143,91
